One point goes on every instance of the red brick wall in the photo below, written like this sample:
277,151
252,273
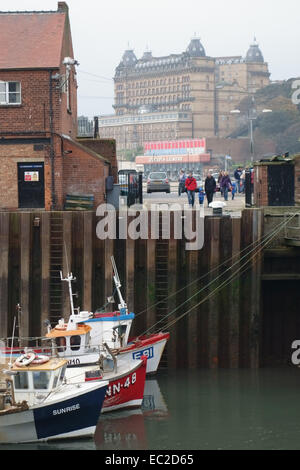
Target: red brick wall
10,156
107,149
78,172
83,173
33,114
68,120
261,186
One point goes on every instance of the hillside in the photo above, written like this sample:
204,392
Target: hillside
282,125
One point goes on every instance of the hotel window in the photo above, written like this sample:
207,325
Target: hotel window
10,93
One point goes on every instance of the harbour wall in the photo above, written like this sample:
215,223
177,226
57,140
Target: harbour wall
213,322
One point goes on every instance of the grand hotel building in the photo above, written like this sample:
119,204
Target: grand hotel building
181,96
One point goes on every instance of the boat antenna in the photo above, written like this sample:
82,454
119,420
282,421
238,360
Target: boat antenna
12,344
118,284
69,280
67,261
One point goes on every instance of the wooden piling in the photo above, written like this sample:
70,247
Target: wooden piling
129,269
193,317
255,301
4,257
108,272
25,272
173,267
213,302
87,260
45,268
67,261
234,298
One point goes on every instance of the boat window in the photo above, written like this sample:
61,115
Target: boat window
41,380
61,344
75,343
56,377
62,375
21,381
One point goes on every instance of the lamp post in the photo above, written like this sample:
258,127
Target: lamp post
251,119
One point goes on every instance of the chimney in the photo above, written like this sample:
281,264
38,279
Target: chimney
62,7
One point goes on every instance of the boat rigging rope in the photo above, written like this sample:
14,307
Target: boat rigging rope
262,244
224,263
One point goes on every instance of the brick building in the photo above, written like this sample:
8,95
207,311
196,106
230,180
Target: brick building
41,160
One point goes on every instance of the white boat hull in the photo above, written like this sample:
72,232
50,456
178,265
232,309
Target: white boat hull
153,352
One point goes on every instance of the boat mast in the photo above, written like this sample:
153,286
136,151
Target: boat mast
118,285
12,344
69,280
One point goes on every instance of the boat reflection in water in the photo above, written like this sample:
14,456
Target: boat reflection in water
126,430
154,405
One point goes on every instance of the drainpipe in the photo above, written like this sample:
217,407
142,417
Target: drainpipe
53,199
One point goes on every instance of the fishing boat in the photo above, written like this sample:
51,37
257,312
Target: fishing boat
126,377
37,405
113,328
72,341
80,339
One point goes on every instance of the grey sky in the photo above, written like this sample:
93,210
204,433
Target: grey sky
102,30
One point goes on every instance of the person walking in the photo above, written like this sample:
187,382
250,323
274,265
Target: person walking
221,174
237,176
226,185
191,186
201,196
242,181
234,189
181,181
210,187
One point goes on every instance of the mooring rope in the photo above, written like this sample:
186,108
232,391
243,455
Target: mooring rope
224,263
262,244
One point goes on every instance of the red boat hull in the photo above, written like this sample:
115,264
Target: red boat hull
126,391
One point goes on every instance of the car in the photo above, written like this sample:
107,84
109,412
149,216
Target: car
158,182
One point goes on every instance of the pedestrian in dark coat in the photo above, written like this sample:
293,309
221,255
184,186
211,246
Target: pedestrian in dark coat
181,181
210,187
226,185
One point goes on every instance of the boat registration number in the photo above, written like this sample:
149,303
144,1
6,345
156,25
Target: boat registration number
149,353
116,388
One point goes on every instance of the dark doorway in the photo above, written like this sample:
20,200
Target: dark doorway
281,182
281,322
31,182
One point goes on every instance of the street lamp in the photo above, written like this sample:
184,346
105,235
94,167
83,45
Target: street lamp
251,119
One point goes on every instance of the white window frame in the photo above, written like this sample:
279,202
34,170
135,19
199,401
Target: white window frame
7,93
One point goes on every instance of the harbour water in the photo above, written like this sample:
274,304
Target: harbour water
203,410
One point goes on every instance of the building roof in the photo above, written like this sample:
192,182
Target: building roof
31,40
254,54
195,48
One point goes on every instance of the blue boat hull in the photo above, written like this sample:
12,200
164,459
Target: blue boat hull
74,417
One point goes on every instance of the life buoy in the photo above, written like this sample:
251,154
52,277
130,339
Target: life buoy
61,328
41,360
25,360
